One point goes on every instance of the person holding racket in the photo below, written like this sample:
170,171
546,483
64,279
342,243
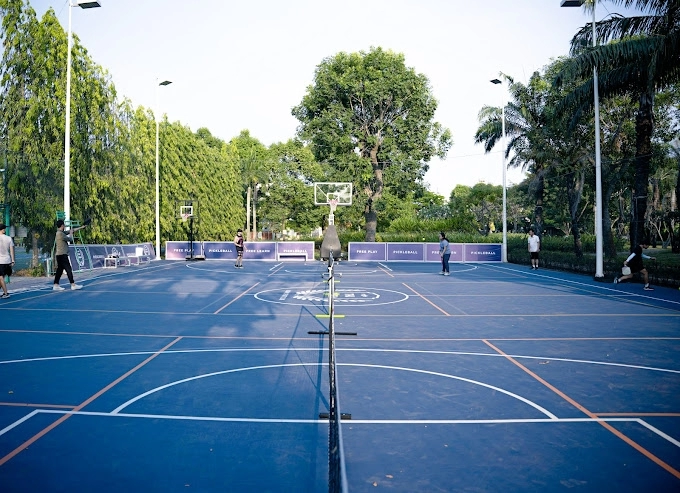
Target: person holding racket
634,265
238,241
6,259
61,242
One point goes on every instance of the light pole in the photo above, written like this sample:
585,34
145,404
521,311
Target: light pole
504,248
158,211
83,4
599,262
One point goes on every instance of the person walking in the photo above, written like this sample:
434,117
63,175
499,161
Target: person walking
240,247
534,246
635,265
6,259
444,253
61,242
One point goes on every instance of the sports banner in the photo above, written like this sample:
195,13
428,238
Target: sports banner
219,250
376,252
180,250
295,248
405,252
433,252
482,252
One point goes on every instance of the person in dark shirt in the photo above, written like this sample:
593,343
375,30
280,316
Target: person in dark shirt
634,262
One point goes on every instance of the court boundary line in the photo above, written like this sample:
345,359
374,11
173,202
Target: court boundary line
237,298
359,350
92,398
597,286
588,413
174,417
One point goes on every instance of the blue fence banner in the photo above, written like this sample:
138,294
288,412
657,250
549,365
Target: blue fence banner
482,252
422,252
219,250
405,252
180,250
368,251
87,257
295,249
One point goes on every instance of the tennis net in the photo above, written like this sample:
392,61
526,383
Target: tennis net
337,474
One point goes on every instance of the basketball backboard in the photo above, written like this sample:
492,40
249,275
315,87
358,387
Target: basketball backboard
325,192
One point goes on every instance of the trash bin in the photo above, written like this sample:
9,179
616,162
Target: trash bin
48,267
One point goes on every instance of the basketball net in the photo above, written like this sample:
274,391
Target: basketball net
331,217
185,217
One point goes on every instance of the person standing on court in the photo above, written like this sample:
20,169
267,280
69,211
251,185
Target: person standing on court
534,246
61,242
238,241
444,253
6,259
634,262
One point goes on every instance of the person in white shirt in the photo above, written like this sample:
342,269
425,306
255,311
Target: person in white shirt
534,246
6,259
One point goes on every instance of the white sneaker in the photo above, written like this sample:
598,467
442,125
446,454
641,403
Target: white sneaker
75,287
441,273
56,287
446,273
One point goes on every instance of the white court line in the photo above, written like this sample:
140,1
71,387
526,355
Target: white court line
414,351
658,432
352,422
287,365
19,421
591,286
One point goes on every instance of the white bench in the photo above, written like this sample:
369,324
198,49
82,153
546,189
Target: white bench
139,257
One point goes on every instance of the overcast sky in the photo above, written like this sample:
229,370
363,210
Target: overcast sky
244,64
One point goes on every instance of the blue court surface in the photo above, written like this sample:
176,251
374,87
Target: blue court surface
201,377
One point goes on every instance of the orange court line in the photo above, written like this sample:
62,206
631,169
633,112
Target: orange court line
242,294
423,297
606,425
386,271
46,430
640,415
28,404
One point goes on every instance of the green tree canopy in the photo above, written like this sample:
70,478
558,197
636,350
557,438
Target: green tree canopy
368,117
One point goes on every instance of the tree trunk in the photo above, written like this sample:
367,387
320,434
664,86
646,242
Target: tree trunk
35,259
248,213
371,218
255,212
538,210
374,193
574,181
644,126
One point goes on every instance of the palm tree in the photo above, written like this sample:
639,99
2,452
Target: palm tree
524,118
640,56
254,172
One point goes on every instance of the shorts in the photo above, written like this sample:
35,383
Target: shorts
6,270
239,252
534,255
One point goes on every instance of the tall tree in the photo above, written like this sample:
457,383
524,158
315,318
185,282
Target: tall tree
366,113
638,55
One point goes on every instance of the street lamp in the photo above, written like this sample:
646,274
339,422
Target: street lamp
158,212
599,263
83,4
504,248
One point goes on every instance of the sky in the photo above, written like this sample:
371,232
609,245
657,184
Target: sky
246,64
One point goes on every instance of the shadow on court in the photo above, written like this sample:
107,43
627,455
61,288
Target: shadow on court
194,376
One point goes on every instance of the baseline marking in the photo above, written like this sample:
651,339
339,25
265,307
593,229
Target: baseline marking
49,428
606,425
